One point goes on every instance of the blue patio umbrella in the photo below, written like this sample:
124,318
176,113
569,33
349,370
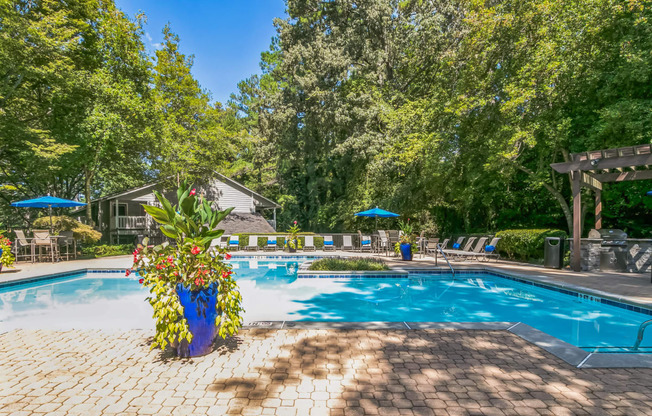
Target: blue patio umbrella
376,213
48,202
649,193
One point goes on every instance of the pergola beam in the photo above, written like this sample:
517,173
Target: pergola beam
623,176
592,182
609,163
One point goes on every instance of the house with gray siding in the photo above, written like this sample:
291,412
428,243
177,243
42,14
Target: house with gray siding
121,217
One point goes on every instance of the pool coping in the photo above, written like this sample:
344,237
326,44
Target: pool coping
567,352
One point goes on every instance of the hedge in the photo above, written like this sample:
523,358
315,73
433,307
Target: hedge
280,239
353,264
107,250
525,244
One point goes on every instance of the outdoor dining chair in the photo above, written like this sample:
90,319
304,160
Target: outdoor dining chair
23,247
43,241
67,240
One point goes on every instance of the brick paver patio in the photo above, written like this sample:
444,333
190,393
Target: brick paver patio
309,372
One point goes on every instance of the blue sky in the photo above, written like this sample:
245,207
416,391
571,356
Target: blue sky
226,37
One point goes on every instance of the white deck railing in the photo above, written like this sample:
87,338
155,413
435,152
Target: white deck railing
130,223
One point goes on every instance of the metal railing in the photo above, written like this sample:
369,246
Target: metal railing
445,258
641,332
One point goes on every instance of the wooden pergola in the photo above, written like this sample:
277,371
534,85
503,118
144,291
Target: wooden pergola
595,168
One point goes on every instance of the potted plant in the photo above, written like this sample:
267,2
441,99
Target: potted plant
6,257
406,245
292,239
192,289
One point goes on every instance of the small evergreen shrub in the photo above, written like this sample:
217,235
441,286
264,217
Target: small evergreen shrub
106,250
525,244
349,264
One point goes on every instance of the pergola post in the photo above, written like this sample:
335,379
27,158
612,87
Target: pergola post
598,210
576,260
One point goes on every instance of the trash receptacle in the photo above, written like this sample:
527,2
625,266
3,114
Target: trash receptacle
553,253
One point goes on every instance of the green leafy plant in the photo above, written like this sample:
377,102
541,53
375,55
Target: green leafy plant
192,224
407,236
353,264
292,239
6,257
82,232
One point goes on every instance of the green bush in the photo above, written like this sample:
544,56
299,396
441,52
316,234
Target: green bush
280,239
525,244
106,250
350,264
82,232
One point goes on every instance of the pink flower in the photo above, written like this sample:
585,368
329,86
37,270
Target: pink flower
295,222
195,250
194,191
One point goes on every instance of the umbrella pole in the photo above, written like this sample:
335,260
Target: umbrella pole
50,209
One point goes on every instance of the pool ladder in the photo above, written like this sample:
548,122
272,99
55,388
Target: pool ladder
445,258
641,331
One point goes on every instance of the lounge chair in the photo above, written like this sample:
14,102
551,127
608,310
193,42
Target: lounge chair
444,243
253,243
271,244
234,242
484,254
458,243
22,245
347,243
467,247
309,243
365,243
224,241
328,243
462,254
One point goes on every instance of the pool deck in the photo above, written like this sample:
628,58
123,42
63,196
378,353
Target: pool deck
313,369
308,372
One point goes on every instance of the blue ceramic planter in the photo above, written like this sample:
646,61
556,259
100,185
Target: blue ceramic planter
406,252
200,310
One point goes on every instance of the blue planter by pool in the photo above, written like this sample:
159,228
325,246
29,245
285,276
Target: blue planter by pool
406,252
200,310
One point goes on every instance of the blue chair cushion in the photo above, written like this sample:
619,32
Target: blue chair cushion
328,243
365,242
269,242
233,241
456,246
489,249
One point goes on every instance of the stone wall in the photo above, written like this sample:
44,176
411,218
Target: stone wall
639,254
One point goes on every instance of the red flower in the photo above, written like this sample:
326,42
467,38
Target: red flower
127,272
295,222
140,281
170,259
195,250
227,256
193,191
225,274
176,274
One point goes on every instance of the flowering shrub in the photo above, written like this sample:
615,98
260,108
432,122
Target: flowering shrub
191,263
292,239
6,257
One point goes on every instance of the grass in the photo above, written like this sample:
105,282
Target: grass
350,264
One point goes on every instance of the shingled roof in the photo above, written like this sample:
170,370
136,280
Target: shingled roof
245,223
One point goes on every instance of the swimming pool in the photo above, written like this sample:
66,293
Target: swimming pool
272,292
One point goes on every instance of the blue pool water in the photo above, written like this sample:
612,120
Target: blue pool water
272,292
